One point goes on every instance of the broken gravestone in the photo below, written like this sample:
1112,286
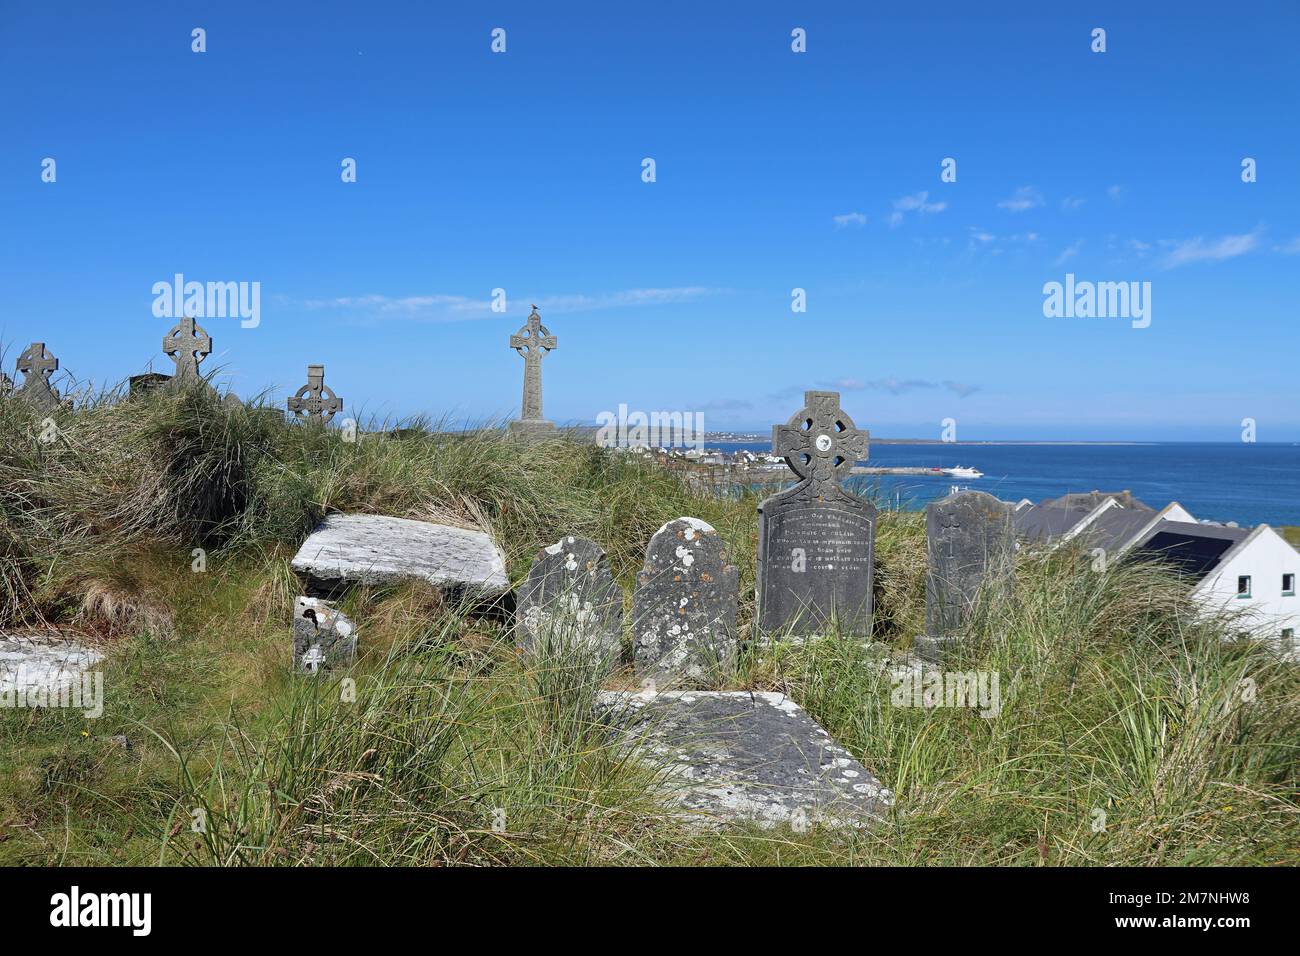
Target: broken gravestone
737,756
570,604
37,364
684,608
323,636
146,384
816,540
970,544
347,550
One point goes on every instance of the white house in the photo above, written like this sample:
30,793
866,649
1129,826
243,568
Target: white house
1251,572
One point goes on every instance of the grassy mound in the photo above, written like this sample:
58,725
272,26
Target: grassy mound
1129,731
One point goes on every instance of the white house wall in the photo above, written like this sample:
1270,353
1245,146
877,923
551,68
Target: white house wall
1265,556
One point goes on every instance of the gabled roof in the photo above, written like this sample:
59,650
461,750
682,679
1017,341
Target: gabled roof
1037,522
1194,549
1092,499
1115,528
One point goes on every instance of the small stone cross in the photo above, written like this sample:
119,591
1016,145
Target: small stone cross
820,443
37,364
187,345
533,341
312,660
315,399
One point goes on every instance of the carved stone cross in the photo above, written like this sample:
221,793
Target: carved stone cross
187,345
312,660
820,443
533,341
315,399
37,364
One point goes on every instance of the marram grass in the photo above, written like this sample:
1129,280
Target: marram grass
1130,732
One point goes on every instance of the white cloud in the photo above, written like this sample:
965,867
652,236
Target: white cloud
1069,252
1291,248
917,202
1026,197
1114,192
850,219
1198,250
455,308
1070,203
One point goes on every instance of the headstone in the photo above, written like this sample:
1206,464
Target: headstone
6,385
570,603
323,636
187,344
745,757
533,341
315,400
970,541
347,550
37,365
816,541
41,664
684,608
146,384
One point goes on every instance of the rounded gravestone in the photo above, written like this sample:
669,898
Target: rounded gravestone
684,608
570,606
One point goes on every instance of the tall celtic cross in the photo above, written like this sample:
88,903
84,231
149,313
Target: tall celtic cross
820,443
187,345
37,364
315,399
532,341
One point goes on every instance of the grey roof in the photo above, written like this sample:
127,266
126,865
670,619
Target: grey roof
1091,499
1116,527
1038,522
1195,549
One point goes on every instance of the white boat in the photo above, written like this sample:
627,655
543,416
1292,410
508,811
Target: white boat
962,472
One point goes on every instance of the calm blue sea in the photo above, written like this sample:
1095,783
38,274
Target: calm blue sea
1232,481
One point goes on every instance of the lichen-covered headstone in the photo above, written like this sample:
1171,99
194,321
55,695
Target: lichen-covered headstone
970,544
684,608
816,540
323,636
147,383
37,365
570,605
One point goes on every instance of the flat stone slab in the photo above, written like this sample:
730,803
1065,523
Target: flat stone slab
347,550
736,756
30,663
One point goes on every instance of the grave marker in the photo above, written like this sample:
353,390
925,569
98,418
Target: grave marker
315,400
816,541
970,540
684,608
37,364
570,604
533,342
187,344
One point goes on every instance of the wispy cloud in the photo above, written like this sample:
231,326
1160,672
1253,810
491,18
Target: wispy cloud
1291,248
1183,252
1071,203
457,308
1024,198
1068,253
850,219
917,202
1115,192
892,384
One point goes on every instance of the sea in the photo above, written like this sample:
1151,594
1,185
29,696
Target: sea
1249,483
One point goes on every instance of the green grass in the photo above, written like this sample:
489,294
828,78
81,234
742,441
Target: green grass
1116,699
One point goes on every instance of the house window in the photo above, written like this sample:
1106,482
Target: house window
1243,586
1288,585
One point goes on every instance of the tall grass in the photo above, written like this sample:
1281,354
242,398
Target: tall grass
1130,732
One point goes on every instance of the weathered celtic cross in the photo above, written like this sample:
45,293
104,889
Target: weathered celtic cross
37,365
820,443
315,399
187,345
533,341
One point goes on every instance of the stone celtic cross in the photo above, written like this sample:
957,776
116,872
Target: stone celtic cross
533,341
820,443
315,399
187,345
37,364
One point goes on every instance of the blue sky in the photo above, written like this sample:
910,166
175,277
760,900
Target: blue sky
775,170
